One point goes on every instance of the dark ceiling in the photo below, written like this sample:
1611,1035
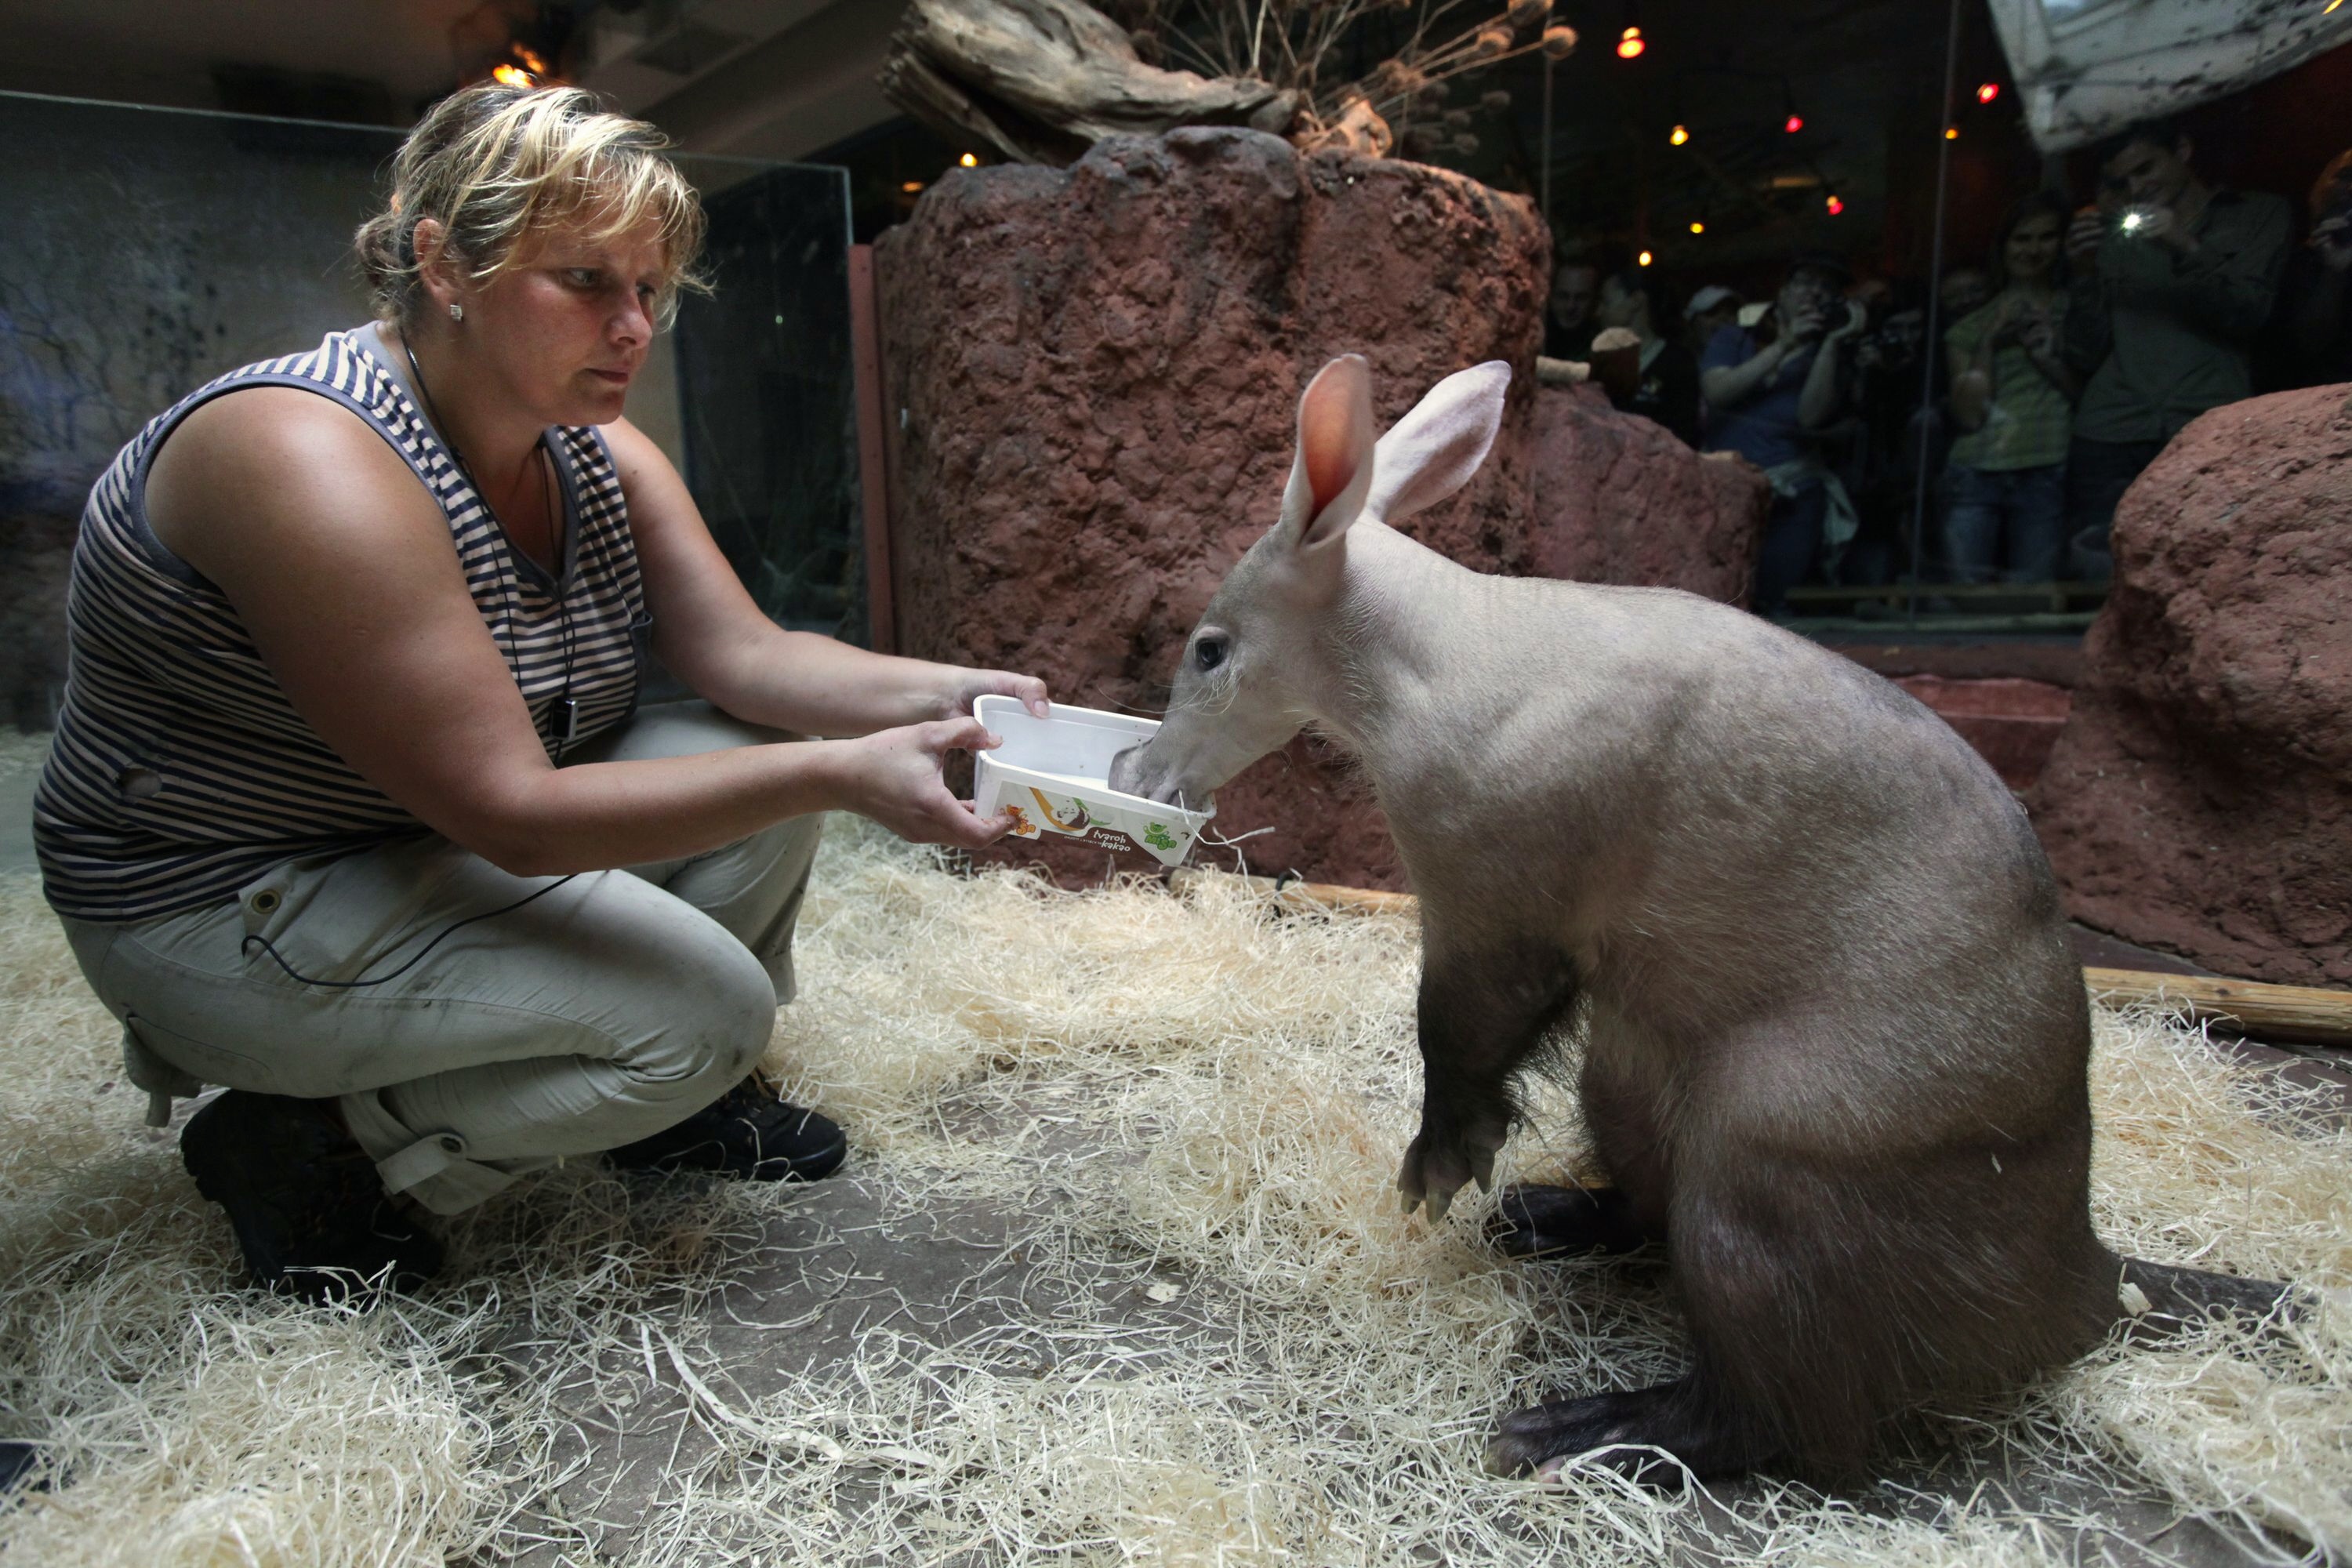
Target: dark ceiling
1865,77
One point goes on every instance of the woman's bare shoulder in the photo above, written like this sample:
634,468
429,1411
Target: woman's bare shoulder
253,462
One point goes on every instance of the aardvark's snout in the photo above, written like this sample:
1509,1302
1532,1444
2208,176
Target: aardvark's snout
1128,773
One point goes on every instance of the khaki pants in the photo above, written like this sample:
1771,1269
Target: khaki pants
466,1042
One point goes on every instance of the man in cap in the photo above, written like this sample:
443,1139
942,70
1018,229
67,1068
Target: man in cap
1768,390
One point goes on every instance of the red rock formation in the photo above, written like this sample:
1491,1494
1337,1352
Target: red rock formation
1092,376
2200,797
1620,499
2013,723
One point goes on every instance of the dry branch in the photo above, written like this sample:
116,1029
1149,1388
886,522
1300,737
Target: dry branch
1042,80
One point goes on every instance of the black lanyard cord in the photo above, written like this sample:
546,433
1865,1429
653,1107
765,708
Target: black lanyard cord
267,946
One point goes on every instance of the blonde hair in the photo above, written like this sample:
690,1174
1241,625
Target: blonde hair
500,167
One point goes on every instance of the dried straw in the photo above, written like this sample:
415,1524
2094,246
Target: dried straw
1208,1336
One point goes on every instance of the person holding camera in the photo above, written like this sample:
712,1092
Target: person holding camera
2012,401
2319,315
2174,277
1768,399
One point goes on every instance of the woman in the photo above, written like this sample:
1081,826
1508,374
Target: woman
1767,392
2012,402
350,763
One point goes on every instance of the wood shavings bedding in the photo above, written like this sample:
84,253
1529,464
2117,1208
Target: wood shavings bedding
1213,1339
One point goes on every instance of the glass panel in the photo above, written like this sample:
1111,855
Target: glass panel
764,376
146,251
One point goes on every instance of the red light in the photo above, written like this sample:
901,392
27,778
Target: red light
1794,123
1836,206
1629,44
1987,92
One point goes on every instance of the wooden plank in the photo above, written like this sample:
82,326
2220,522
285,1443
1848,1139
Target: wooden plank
2256,1007
1322,895
2259,1008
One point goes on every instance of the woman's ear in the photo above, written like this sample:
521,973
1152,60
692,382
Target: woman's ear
429,243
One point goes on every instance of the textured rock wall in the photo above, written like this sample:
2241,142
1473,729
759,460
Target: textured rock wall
1093,374
1093,378
2200,799
1620,499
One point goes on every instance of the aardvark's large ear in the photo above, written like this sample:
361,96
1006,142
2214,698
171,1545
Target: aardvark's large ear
1333,472
1433,450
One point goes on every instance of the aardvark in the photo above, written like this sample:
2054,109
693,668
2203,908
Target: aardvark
1834,1039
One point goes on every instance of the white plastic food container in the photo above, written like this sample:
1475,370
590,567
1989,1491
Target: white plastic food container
1053,776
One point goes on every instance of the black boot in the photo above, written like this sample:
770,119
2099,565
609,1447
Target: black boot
748,1133
310,1214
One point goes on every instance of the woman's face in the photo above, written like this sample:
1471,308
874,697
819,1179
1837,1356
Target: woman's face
567,327
2032,249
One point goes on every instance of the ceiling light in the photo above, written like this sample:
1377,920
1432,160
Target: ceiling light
1629,44
1836,204
1988,91
1643,259
506,75
1680,134
969,161
1698,225
1951,133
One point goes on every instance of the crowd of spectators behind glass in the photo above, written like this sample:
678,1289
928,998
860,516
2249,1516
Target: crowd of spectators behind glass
2057,371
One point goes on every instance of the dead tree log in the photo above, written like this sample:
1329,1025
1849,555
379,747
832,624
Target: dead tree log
1043,80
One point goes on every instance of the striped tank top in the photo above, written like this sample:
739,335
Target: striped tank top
179,771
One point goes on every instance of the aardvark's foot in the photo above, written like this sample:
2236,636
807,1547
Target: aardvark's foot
1538,1221
1655,1434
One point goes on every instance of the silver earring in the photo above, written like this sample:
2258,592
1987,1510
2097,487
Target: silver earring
457,311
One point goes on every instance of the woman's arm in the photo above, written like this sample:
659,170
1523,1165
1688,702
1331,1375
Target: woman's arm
341,569
710,635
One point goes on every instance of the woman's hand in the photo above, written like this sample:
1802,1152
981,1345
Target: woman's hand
965,687
894,777
2010,322
2039,335
2084,234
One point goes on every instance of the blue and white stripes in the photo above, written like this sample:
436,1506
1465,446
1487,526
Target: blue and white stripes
180,772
